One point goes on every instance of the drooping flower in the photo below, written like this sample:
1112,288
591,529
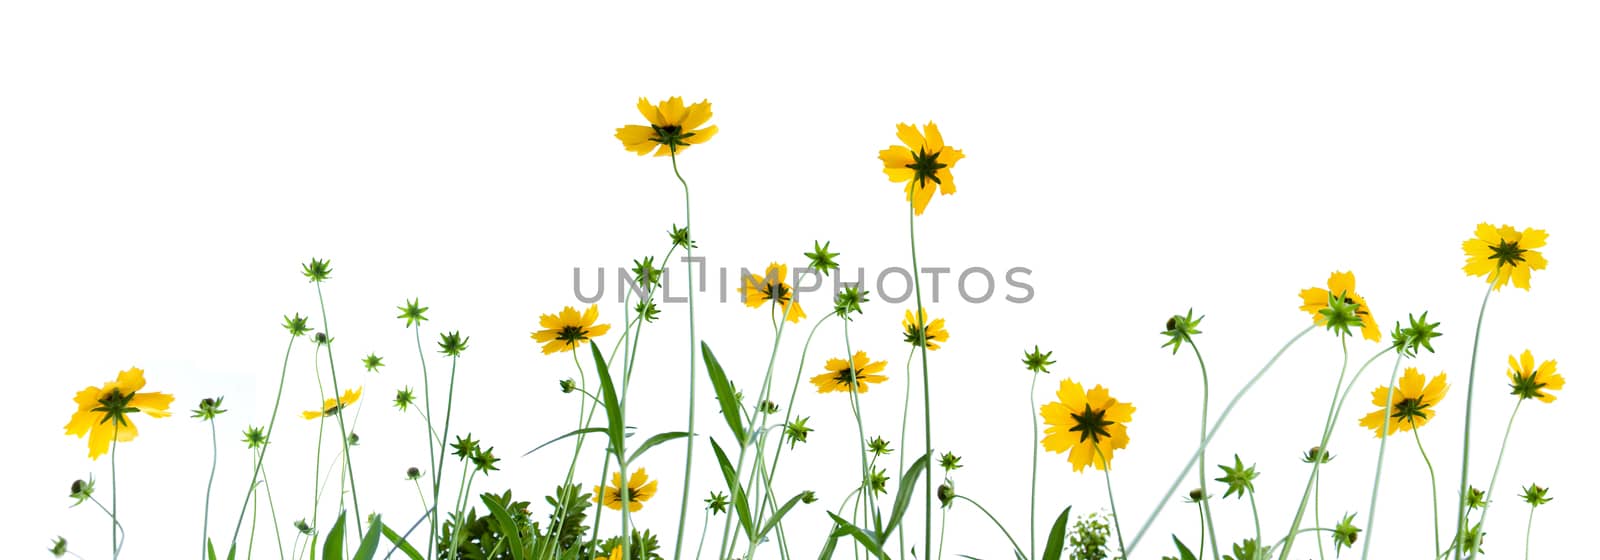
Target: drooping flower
333,406
923,163
1091,425
770,287
673,127
640,489
568,330
917,328
860,369
1528,382
1343,286
1503,254
1412,405
105,412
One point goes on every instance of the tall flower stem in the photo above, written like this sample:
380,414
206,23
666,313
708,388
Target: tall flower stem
1433,485
577,448
344,434
1105,467
438,467
1466,430
1488,496
927,398
905,416
725,549
688,455
1383,445
1527,536
1334,406
867,503
205,520
1255,515
1002,528
427,415
255,470
116,547
1173,488
1206,520
788,415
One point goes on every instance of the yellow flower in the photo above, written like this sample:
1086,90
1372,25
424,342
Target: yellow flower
1413,404
1092,425
568,330
332,406
1504,254
673,127
1534,383
924,162
616,554
861,369
640,489
1344,284
104,412
917,330
759,289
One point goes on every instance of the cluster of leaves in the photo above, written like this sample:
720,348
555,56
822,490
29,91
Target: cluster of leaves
490,537
645,546
1090,535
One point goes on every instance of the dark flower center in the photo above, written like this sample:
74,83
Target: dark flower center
573,334
1091,425
926,166
1508,253
672,135
115,406
1409,410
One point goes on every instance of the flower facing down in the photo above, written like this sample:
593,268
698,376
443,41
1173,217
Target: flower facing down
1503,254
640,490
923,163
673,127
1343,286
1090,425
333,406
105,412
568,330
770,287
860,372
1528,382
1412,404
917,331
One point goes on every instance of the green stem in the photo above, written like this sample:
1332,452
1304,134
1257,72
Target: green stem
1466,430
688,457
272,508
427,416
583,423
116,547
1254,515
705,523
868,502
1173,488
205,519
1527,536
996,522
1033,473
1433,485
344,435
788,415
116,526
1316,512
1105,467
438,467
1207,522
944,514
905,416
927,398
1488,496
725,549
255,471
1383,445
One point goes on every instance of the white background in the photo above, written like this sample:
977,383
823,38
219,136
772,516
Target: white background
167,168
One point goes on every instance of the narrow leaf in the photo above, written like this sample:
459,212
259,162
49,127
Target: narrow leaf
369,544
513,536
655,440
771,523
724,391
902,498
400,544
1057,542
740,502
333,542
845,528
609,398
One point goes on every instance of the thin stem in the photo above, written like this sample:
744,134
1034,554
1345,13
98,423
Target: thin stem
117,528
1033,473
725,548
944,513
438,468
116,547
1433,485
688,457
1105,467
255,471
1383,445
344,434
1466,430
205,520
583,424
1527,536
985,511
1316,466
927,398
1488,497
272,508
705,523
1173,488
905,416
427,416
1256,516
1316,510
1207,522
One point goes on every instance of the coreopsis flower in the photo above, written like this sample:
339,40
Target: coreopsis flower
1036,361
484,460
1528,382
413,473
878,481
647,310
717,503
107,411
645,273
1406,340
1320,302
1411,406
1503,254
1195,496
796,431
923,163
616,554
849,300
770,287
673,127
947,493
917,329
1181,328
879,446
453,344
333,406
1476,499
412,312
209,409
296,326
568,330
82,490
680,237
255,437
404,398
859,373
1345,533
822,259
1239,478
465,447
1536,495
949,461
640,490
58,547
372,362
317,270
1091,425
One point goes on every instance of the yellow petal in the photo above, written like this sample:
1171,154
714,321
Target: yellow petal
650,112
909,136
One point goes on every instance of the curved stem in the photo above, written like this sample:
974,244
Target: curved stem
1488,496
688,457
927,398
1254,515
1207,522
1033,473
1433,485
1173,488
344,434
1105,467
255,471
1383,445
427,416
1527,536
1466,430
1316,466
272,508
449,405
205,520
985,511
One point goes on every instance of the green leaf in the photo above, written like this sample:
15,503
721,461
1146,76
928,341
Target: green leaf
655,440
725,396
902,498
1057,541
369,544
211,550
613,407
400,544
735,490
868,540
333,542
1183,551
771,523
564,436
498,510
